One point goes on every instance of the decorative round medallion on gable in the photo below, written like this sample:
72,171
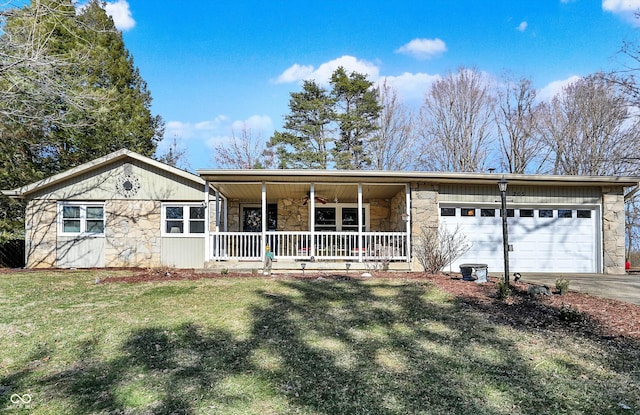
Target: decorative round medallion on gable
127,185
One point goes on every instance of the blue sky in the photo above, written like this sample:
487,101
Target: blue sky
212,66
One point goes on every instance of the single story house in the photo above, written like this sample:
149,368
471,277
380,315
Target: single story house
124,210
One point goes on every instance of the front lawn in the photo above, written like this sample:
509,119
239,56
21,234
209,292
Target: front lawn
283,345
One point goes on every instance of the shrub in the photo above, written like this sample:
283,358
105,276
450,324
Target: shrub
437,247
562,286
570,314
503,290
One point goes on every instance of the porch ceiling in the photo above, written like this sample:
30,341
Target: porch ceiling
344,193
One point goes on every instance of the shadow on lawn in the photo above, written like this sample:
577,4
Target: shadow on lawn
324,347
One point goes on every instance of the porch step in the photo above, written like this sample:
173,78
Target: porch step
289,266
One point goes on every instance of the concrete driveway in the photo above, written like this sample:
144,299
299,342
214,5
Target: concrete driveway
618,287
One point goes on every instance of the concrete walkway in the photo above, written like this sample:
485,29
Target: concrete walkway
618,287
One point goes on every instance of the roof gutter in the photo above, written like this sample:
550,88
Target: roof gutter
14,194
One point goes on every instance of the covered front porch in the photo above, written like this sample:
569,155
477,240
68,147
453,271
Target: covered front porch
313,217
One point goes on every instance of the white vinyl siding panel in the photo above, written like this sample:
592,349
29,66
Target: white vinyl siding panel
100,184
183,252
520,194
80,252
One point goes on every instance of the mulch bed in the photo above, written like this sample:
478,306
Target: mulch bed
587,314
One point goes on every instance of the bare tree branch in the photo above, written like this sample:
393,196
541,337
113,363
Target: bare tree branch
244,150
394,148
590,130
516,119
38,80
456,120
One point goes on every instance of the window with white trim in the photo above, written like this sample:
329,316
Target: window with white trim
81,218
340,217
183,219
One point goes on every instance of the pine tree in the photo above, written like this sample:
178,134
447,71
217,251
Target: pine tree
125,119
357,115
304,143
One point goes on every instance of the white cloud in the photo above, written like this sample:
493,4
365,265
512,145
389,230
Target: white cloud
411,86
213,132
183,131
553,88
522,26
260,129
259,124
626,9
322,74
121,14
423,48
295,73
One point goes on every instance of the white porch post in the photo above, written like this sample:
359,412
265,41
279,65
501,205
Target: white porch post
217,211
264,219
207,215
360,244
408,224
312,217
225,209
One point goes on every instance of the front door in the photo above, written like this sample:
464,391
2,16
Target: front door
252,223
252,219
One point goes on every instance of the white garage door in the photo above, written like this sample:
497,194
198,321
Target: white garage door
542,239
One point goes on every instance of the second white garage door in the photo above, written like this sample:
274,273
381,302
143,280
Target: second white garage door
542,239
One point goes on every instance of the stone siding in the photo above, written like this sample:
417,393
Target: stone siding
613,232
397,209
133,233
41,232
292,215
424,213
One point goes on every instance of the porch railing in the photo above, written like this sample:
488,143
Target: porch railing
377,246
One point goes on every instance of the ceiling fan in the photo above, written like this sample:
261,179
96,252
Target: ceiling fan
320,199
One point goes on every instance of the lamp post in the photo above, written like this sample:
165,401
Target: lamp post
502,185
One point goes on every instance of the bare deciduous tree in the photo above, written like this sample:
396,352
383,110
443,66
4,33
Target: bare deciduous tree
588,129
457,121
516,119
627,76
394,148
244,150
174,156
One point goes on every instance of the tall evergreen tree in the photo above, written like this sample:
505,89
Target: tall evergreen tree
70,93
125,119
70,89
357,115
305,141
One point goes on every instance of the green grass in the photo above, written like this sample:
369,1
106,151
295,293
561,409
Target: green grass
265,346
